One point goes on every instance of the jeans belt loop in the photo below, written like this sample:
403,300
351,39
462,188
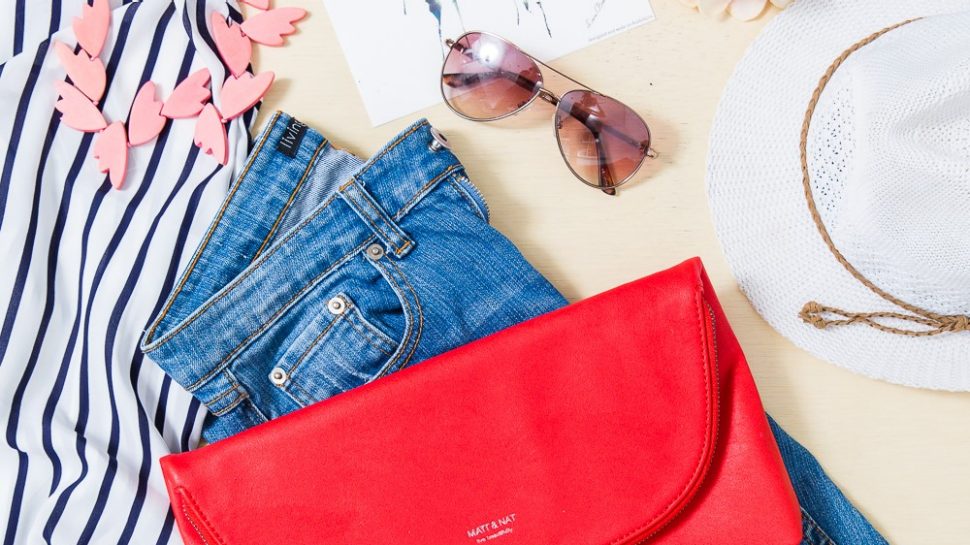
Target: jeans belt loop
366,207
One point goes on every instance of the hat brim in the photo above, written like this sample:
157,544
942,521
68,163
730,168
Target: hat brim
755,192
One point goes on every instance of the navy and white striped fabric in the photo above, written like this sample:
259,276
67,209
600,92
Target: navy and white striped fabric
84,267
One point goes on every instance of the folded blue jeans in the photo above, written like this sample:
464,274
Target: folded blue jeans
322,272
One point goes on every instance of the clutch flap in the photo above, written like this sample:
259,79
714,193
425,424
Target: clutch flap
595,424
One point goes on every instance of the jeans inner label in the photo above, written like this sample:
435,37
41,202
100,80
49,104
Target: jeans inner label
292,137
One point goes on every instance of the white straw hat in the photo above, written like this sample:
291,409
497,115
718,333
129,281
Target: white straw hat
839,181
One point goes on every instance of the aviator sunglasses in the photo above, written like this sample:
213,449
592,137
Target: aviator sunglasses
602,140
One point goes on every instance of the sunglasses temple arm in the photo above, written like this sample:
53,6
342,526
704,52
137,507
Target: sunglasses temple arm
606,179
584,118
626,138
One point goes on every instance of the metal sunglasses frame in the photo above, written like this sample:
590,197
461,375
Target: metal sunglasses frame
552,98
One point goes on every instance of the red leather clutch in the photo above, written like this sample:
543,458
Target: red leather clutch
630,417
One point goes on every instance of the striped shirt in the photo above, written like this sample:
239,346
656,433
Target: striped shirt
84,267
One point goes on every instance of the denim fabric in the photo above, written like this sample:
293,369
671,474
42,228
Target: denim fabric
322,272
827,516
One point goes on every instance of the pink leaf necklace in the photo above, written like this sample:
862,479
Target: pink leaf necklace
191,98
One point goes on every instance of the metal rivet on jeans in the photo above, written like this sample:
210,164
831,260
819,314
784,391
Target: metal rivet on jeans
440,141
337,305
375,251
277,376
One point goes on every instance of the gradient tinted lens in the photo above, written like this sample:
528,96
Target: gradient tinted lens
603,140
485,77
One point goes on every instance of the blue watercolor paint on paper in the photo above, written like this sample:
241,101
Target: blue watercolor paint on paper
542,10
434,6
435,9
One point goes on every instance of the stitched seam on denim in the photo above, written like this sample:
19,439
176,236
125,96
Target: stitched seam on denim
286,207
243,395
212,229
302,397
700,465
390,147
352,201
232,405
222,364
316,340
464,195
351,198
817,530
361,330
364,328
469,185
329,378
419,194
376,333
187,496
417,300
253,267
222,395
408,318
259,414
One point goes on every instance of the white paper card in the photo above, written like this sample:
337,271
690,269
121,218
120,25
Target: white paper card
395,47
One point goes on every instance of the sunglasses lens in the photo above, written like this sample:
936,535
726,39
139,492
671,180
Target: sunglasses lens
485,77
602,140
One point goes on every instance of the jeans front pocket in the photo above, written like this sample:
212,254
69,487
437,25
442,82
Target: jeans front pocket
470,196
339,351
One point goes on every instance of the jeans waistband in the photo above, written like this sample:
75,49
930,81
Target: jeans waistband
201,329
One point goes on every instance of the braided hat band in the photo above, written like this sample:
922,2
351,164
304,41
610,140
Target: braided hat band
823,316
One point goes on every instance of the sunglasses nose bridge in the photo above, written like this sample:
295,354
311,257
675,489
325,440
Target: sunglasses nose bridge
548,96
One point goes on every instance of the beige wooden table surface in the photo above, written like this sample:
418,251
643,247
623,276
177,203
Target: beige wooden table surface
902,455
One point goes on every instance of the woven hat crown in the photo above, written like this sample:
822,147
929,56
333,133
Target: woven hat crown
888,153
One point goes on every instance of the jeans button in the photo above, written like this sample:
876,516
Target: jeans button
440,141
375,252
337,305
277,376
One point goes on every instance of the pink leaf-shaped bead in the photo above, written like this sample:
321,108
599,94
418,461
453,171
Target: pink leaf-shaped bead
189,96
240,94
91,28
146,119
87,74
77,111
234,47
111,151
269,27
210,135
